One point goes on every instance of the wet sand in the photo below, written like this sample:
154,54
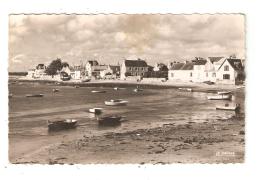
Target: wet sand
218,142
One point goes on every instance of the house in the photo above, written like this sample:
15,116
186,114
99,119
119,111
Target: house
39,71
182,71
30,73
133,68
231,71
112,71
201,73
160,70
93,68
76,72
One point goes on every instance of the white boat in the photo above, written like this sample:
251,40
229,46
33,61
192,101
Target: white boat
34,95
116,88
116,102
228,107
220,97
137,90
224,92
55,90
96,110
97,91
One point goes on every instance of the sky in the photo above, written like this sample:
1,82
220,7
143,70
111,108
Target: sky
112,38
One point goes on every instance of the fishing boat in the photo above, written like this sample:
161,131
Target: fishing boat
55,90
227,107
34,95
111,120
97,91
62,124
96,110
224,92
116,102
220,97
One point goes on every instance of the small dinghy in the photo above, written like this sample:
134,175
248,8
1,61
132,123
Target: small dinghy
34,95
220,97
116,102
97,91
228,107
96,110
112,120
224,92
77,86
55,90
62,124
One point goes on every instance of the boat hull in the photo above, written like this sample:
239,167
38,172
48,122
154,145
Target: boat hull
61,125
122,103
220,97
34,95
96,110
109,121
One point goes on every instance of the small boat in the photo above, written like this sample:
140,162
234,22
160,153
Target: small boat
224,92
55,90
10,95
62,124
116,102
77,86
116,88
96,110
220,97
97,91
109,120
137,89
34,95
85,80
227,107
186,89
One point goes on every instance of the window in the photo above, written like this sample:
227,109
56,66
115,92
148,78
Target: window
226,68
142,69
191,74
130,69
213,74
136,68
226,76
172,74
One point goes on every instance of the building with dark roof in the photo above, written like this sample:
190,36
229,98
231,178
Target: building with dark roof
133,68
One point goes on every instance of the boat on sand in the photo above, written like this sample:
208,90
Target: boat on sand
62,124
55,90
111,120
223,92
34,95
228,107
220,97
96,110
97,91
116,102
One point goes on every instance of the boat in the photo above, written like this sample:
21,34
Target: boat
116,88
97,91
116,102
62,124
186,89
224,92
55,90
111,120
85,80
227,107
137,89
77,86
96,110
220,97
10,95
34,95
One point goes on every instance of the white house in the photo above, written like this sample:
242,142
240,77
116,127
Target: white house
111,71
231,71
181,71
94,69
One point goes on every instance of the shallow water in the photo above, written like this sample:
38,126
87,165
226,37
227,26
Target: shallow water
148,108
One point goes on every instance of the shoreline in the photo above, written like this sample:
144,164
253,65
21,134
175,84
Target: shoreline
197,87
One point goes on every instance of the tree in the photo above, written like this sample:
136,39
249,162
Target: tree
55,66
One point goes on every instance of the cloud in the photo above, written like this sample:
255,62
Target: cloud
112,37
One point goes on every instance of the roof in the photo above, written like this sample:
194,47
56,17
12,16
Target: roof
99,67
214,59
187,66
135,63
177,66
93,63
200,62
236,64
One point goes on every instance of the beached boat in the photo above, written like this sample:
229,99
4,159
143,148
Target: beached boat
97,91
96,110
116,102
228,107
77,86
137,89
109,120
220,97
186,89
34,95
55,90
62,124
85,80
116,88
224,92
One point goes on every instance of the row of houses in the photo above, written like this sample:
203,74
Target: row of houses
215,69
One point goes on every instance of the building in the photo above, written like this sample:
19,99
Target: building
39,71
231,71
133,68
182,71
76,72
93,69
160,70
111,72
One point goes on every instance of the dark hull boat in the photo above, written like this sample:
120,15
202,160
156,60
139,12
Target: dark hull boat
109,120
62,125
34,95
